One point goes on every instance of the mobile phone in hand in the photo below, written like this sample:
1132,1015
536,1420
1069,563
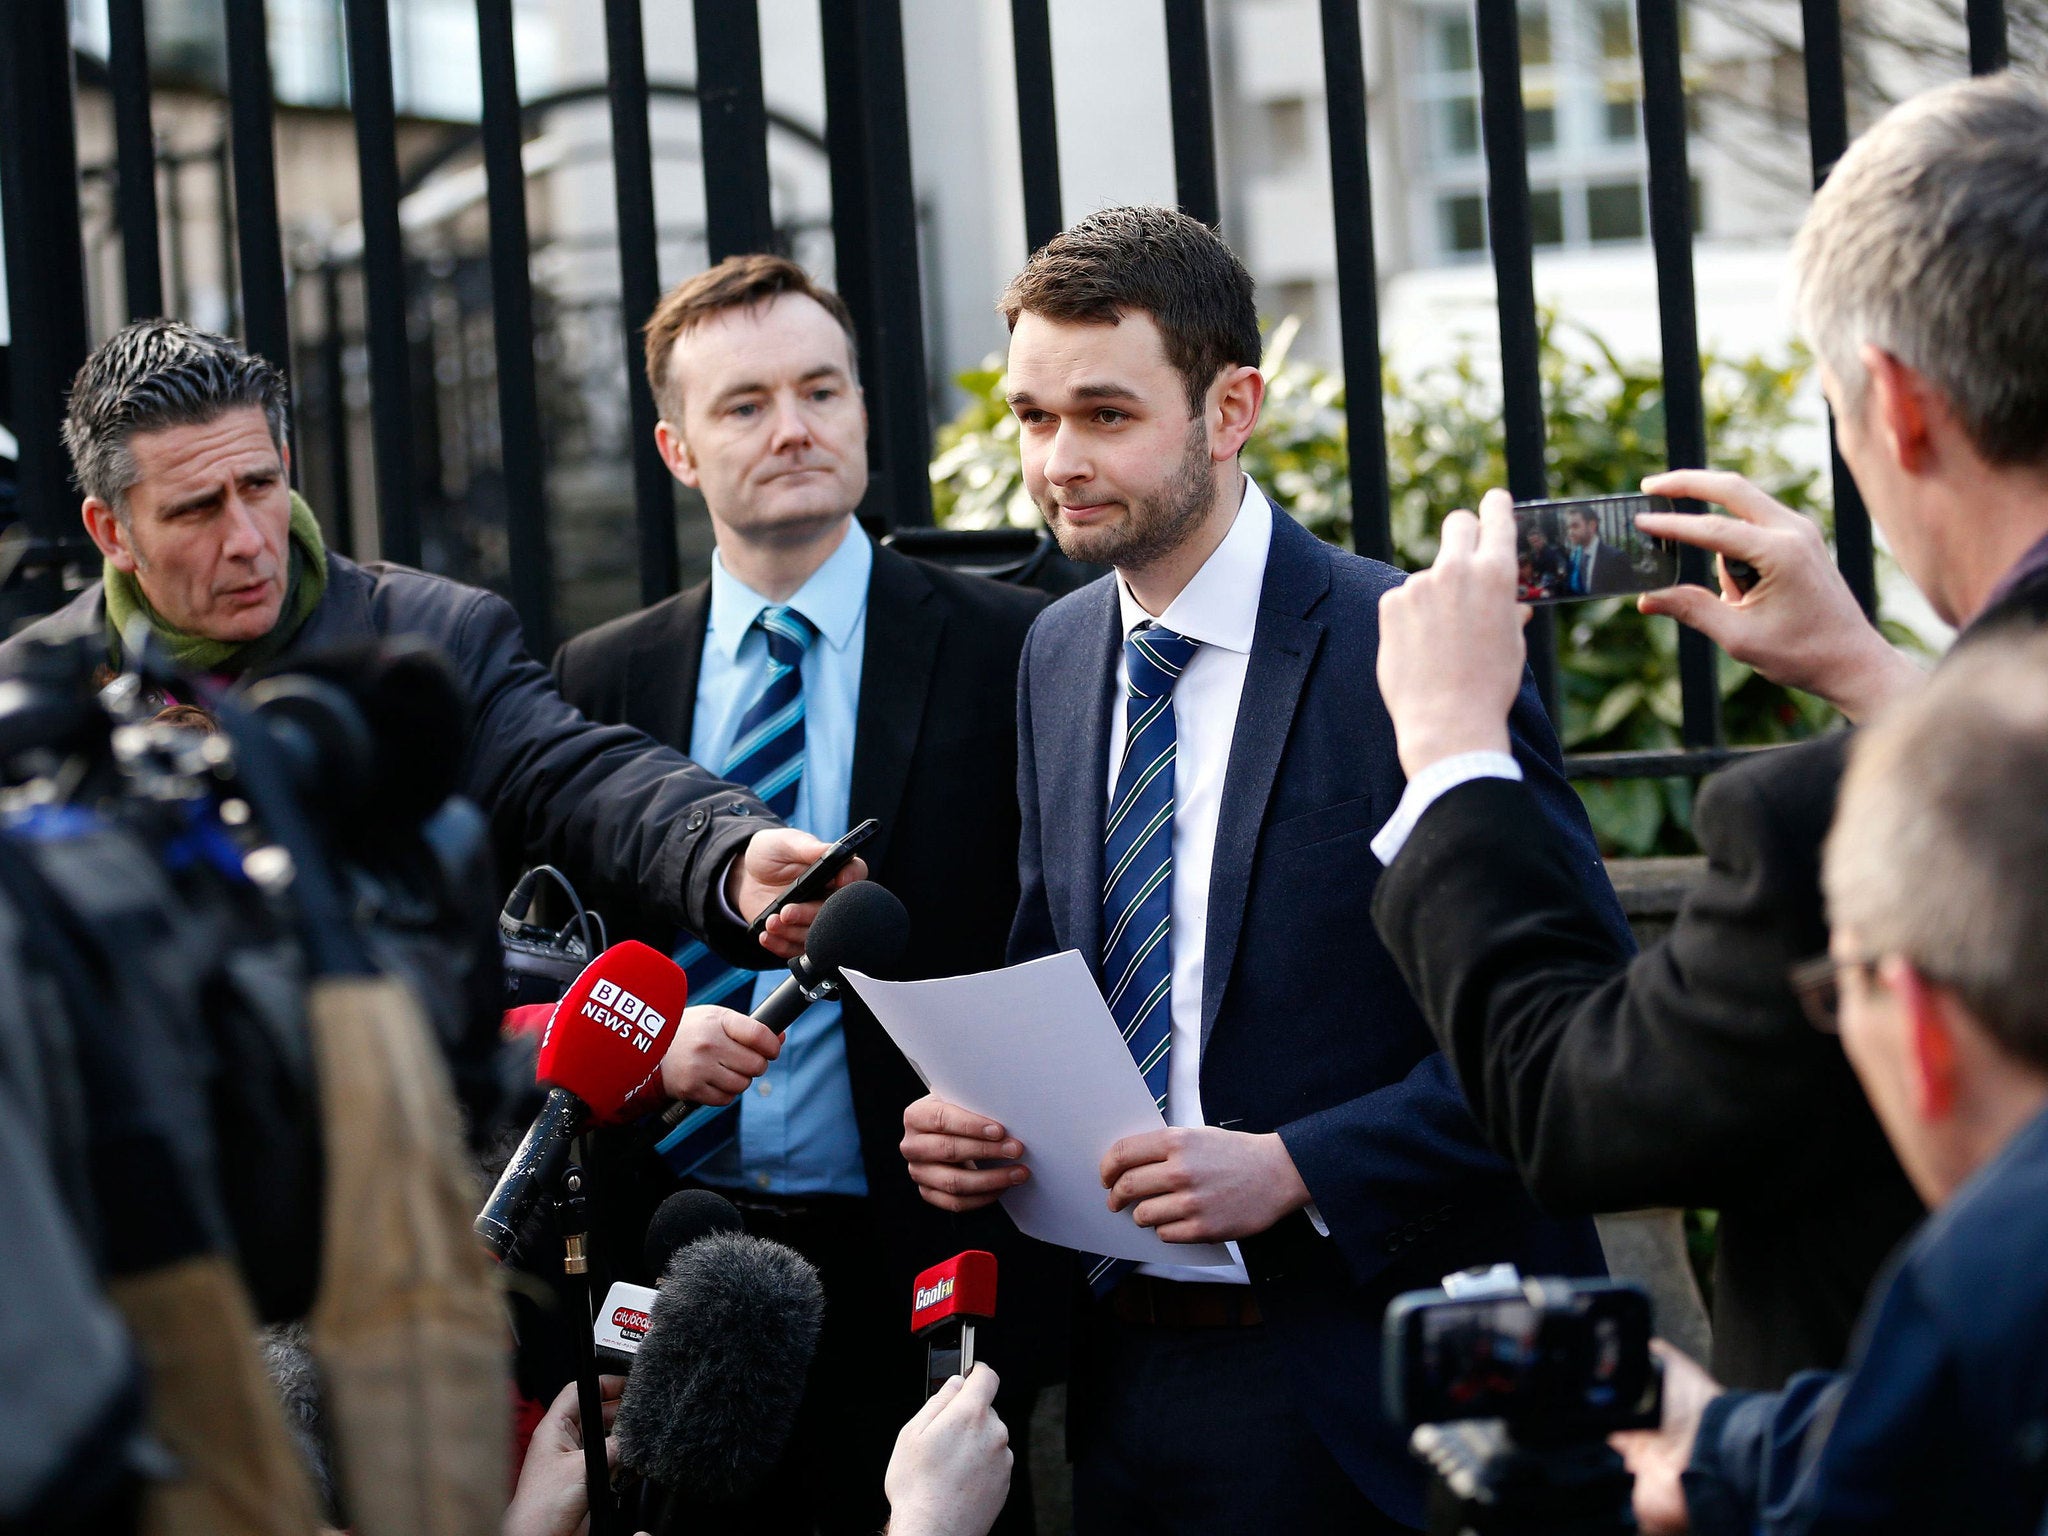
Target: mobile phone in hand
1589,546
815,881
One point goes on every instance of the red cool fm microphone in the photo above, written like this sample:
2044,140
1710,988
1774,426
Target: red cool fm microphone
601,1061
946,1302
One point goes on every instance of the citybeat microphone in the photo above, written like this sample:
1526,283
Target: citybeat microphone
946,1301
601,1061
717,1377
628,1309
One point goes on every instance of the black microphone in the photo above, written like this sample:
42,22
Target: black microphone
719,1374
863,925
680,1220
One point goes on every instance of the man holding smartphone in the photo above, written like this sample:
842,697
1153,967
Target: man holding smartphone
842,682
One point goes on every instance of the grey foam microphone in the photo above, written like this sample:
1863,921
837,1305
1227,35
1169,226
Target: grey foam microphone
718,1376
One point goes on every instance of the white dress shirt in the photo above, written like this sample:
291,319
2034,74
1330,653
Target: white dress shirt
1430,786
1220,608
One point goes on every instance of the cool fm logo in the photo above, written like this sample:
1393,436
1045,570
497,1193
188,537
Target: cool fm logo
619,1011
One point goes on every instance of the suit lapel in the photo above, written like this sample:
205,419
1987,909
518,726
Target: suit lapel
661,671
1073,799
905,621
1284,647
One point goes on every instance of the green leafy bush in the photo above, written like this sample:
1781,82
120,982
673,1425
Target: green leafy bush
1604,421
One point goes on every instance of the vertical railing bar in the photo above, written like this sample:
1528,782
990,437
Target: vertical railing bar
1509,235
259,249
1038,140
1827,126
135,154
520,453
1685,412
1988,48
1358,309
874,225
234,312
174,234
384,291
639,289
45,274
334,384
737,217
1194,116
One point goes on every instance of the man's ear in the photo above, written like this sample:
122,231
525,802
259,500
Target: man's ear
1901,408
1234,402
675,453
1928,1013
115,539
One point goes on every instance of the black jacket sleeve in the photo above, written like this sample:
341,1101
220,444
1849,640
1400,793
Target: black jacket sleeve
627,817
1686,1077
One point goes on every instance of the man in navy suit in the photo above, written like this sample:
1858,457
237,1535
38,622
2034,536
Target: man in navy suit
1202,764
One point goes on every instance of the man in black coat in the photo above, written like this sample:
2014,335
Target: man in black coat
899,704
178,440
1689,1076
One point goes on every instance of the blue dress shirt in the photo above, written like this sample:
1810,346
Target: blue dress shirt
797,1135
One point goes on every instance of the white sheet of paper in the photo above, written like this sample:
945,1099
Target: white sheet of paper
1034,1047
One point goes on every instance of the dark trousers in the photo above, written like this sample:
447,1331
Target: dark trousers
866,1381
1193,1432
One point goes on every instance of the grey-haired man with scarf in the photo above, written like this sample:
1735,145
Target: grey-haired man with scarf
178,441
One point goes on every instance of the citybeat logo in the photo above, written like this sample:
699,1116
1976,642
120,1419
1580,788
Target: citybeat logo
631,1322
619,1011
932,1295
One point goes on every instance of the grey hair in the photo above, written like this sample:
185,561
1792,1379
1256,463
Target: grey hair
151,375
1930,240
1941,837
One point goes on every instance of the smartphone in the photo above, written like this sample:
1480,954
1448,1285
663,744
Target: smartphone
1589,546
945,1358
812,884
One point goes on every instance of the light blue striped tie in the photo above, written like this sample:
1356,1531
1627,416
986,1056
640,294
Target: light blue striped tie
768,757
1137,873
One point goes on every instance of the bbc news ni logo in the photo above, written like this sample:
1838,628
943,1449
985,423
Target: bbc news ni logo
619,1011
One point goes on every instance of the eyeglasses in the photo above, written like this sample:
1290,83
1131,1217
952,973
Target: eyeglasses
1817,983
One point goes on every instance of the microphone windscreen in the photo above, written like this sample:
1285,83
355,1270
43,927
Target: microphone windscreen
716,1384
680,1220
605,1039
863,925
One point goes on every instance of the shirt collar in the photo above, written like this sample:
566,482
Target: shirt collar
834,599
1220,605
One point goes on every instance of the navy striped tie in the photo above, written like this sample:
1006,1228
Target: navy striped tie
767,756
1137,873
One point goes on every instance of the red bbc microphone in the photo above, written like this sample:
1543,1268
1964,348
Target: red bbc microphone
946,1301
601,1061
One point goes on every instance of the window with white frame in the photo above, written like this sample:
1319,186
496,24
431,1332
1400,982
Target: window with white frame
1581,101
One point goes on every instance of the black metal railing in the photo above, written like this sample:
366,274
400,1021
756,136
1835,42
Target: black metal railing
876,257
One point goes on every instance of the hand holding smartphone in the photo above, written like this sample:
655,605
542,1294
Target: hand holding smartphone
816,881
1589,546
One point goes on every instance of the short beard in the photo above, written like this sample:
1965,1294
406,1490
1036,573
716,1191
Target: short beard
1153,528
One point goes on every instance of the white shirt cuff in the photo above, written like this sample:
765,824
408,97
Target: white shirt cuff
1431,785
725,874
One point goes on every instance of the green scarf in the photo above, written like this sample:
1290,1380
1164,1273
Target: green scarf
196,653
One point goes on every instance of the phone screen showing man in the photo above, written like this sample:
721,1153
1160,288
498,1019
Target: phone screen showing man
1568,551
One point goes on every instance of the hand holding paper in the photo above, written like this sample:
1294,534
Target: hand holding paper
1032,1052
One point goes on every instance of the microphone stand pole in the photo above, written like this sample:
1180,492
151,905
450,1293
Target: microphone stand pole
572,1214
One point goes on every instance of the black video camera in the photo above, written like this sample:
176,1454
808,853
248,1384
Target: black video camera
1511,1387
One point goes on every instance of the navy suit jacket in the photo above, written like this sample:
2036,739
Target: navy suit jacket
1307,1027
